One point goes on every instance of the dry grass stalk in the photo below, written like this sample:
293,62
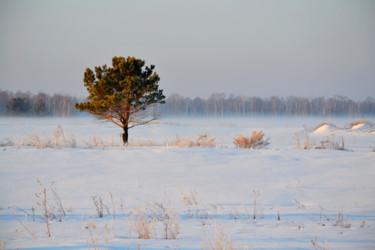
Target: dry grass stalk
143,224
329,142
300,207
256,195
47,208
48,205
33,234
113,206
58,203
58,139
142,143
220,241
169,218
190,200
340,220
98,202
144,221
307,144
43,205
93,241
95,142
363,223
316,246
255,141
201,141
2,244
111,142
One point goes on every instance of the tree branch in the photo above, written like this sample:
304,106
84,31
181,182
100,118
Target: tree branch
142,122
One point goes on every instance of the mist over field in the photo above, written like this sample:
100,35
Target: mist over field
217,105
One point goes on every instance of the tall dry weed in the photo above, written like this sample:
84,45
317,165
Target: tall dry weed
143,224
169,219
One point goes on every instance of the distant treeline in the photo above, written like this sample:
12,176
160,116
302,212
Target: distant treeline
25,103
223,105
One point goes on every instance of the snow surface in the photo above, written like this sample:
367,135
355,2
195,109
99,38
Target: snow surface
321,196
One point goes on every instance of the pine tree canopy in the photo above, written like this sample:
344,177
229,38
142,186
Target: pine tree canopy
121,92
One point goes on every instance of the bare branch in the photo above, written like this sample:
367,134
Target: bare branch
142,122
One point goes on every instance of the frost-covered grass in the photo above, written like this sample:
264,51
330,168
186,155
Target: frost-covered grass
204,197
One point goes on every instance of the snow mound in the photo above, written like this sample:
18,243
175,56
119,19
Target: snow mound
361,126
324,127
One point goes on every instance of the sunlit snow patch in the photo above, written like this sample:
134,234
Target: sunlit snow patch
363,126
324,127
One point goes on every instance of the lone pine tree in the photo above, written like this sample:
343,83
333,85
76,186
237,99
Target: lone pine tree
121,93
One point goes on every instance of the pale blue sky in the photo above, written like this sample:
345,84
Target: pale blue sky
253,48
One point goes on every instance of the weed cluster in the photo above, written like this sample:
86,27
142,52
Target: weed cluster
189,198
255,141
144,221
169,219
201,141
329,142
58,139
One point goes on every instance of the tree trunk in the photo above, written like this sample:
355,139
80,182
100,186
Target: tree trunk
125,135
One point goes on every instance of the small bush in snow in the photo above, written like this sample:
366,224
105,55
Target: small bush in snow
255,141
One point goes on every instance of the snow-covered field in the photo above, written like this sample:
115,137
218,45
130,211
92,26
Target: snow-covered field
281,197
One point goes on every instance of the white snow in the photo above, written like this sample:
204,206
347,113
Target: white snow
307,188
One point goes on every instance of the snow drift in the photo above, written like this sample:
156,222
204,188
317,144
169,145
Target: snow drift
324,127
